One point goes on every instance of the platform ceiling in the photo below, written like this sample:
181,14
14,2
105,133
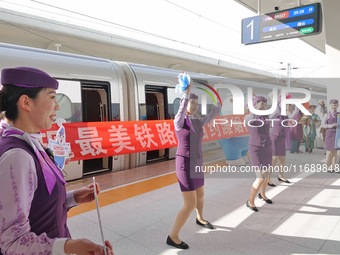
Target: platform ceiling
29,30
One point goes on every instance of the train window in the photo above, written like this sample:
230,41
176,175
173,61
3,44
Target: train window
142,112
173,103
175,107
68,96
66,109
115,109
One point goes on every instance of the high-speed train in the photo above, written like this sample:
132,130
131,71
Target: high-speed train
95,90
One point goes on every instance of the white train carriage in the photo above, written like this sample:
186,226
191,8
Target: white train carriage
96,90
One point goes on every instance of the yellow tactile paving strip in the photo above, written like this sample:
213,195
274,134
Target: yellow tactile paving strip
119,194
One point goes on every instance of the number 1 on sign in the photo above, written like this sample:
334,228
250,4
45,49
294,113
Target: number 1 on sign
251,25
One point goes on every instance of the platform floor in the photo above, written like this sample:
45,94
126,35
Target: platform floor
137,215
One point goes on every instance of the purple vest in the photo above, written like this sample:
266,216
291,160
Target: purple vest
259,136
278,129
190,147
183,137
297,131
330,132
48,213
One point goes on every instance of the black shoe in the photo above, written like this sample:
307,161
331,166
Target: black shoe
205,225
182,245
283,180
268,201
271,184
253,208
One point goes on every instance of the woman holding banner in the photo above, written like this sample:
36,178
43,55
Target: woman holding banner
33,198
189,131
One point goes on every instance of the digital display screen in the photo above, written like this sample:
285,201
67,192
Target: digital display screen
296,22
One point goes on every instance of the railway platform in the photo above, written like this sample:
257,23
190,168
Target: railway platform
137,215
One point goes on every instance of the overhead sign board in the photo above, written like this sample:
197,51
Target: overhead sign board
296,22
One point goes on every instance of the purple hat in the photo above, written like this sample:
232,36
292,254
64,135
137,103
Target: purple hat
333,101
27,77
260,99
257,99
193,96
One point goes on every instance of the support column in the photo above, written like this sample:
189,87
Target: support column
331,18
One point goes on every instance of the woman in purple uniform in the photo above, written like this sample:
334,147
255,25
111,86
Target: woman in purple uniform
260,150
189,131
289,111
278,137
297,131
331,125
33,198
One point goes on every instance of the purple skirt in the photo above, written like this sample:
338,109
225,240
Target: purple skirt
297,132
278,145
330,139
260,156
187,181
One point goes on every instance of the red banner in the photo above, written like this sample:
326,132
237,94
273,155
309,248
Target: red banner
225,127
102,139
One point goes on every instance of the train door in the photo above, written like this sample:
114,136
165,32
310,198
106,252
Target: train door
156,103
160,103
95,109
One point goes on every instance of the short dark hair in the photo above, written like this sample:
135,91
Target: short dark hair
9,96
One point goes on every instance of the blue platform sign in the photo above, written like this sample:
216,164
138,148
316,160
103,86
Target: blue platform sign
296,22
